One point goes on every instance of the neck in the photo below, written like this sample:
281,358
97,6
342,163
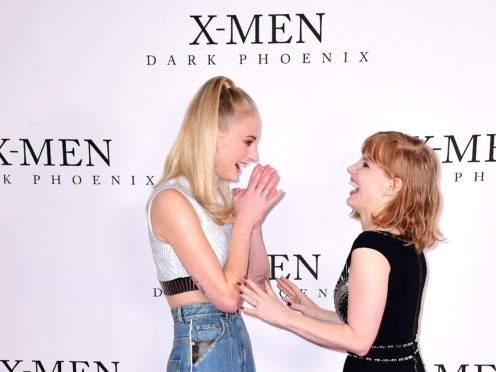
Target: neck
367,225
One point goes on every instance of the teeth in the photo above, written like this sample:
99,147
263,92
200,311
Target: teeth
354,184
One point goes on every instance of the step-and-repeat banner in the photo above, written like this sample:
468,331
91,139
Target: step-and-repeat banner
92,95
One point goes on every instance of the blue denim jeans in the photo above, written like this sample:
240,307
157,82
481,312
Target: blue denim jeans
206,339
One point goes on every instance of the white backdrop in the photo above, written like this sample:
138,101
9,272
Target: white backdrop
76,274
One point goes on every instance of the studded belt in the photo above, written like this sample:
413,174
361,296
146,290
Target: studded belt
389,353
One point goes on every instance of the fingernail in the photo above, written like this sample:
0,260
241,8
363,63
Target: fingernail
289,303
238,283
245,277
240,292
241,308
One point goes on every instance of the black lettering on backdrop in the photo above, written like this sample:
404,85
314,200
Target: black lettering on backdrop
278,29
471,152
36,159
479,177
275,28
4,161
65,151
44,154
203,29
364,57
300,260
465,368
303,18
7,365
492,146
211,59
452,141
150,60
273,266
242,35
75,366
92,145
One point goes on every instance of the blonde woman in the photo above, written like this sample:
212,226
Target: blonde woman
378,296
204,240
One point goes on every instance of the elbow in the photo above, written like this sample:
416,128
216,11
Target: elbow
226,302
227,306
362,348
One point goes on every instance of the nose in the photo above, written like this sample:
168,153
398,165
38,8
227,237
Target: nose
253,154
351,169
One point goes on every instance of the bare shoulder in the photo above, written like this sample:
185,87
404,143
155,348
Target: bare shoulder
169,199
171,211
370,258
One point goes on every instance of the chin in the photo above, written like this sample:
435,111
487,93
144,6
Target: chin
230,178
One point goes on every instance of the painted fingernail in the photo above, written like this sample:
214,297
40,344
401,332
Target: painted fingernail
241,308
288,303
238,283
245,277
240,292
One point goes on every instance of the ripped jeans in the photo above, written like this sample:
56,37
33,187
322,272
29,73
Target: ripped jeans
206,339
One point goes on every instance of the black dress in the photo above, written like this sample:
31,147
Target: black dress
395,348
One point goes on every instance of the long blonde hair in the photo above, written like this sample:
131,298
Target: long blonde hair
193,153
415,209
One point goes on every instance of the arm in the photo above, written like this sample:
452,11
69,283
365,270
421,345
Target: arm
296,300
258,264
174,221
367,295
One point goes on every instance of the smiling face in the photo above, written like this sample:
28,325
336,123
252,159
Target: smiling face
373,189
237,146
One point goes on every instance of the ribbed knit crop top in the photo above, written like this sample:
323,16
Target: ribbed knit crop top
168,265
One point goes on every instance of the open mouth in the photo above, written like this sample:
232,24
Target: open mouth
238,166
355,187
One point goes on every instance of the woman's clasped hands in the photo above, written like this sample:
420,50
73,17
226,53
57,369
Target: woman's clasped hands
251,205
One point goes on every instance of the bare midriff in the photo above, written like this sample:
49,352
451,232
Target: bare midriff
187,298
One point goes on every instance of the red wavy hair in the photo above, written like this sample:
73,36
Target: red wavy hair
415,209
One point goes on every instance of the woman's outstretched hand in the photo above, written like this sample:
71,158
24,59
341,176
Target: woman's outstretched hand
266,305
296,300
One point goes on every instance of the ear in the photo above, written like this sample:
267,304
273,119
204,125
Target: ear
394,186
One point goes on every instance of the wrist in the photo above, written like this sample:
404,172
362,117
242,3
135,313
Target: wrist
257,228
289,319
243,223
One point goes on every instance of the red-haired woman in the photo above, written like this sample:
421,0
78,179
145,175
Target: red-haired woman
378,296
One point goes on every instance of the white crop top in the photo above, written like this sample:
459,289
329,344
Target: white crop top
168,265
